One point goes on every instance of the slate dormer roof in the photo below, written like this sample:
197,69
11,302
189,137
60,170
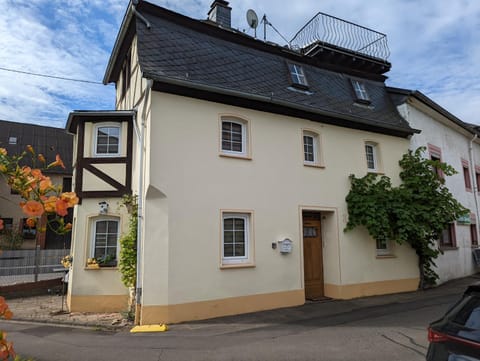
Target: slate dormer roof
49,141
198,59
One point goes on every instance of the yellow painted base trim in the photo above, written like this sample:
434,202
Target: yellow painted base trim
223,307
98,303
346,292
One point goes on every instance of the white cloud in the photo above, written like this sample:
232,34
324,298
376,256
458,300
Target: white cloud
434,47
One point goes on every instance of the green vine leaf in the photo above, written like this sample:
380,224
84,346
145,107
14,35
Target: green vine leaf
416,212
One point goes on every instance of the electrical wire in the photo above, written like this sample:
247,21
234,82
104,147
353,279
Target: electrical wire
51,76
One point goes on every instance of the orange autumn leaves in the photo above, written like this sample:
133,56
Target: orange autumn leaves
41,196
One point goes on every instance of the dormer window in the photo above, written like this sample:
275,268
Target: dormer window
297,76
360,92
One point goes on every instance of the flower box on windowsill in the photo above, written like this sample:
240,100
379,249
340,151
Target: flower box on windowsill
93,266
108,264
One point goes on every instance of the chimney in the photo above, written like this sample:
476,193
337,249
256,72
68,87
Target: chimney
220,13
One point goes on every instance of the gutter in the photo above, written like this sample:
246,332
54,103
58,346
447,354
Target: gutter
272,100
139,279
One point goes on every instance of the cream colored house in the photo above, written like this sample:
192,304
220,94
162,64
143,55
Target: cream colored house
450,140
240,152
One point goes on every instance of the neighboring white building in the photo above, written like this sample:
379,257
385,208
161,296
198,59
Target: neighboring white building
450,140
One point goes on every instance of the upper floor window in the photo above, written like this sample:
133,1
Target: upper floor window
234,137
28,231
12,140
297,75
466,175
360,91
477,176
371,154
435,155
126,74
107,139
311,148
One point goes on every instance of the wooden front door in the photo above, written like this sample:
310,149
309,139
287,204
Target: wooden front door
312,256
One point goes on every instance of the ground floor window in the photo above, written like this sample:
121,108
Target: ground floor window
236,238
383,247
473,235
105,241
448,238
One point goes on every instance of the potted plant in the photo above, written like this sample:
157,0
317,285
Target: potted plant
67,261
107,261
92,263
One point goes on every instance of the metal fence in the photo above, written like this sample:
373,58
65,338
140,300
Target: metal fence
30,265
327,29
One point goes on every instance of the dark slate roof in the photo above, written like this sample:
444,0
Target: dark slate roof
77,116
48,141
195,58
400,96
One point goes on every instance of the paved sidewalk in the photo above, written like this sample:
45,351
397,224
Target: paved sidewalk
48,309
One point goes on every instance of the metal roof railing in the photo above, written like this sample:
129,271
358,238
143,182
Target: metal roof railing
327,29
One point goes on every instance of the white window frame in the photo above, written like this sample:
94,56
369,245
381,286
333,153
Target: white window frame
107,125
360,90
297,75
317,161
374,154
384,251
93,235
244,137
237,260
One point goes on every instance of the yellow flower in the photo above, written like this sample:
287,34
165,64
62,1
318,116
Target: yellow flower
49,204
69,197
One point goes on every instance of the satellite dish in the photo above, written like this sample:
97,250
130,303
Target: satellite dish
252,19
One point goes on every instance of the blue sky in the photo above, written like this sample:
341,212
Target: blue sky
434,48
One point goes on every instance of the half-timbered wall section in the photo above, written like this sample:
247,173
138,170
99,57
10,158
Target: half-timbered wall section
103,153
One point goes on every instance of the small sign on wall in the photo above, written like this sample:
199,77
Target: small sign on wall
285,246
464,220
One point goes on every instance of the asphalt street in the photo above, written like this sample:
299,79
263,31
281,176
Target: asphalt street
376,328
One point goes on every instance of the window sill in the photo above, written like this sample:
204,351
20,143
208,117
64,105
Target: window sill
474,246
237,265
86,268
314,165
469,190
385,256
448,248
226,155
379,172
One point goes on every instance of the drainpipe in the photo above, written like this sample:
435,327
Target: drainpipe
139,280
475,185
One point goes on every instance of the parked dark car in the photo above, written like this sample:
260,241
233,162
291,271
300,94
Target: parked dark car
456,336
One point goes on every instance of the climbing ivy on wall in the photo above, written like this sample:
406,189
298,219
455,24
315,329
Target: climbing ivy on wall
416,212
128,243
